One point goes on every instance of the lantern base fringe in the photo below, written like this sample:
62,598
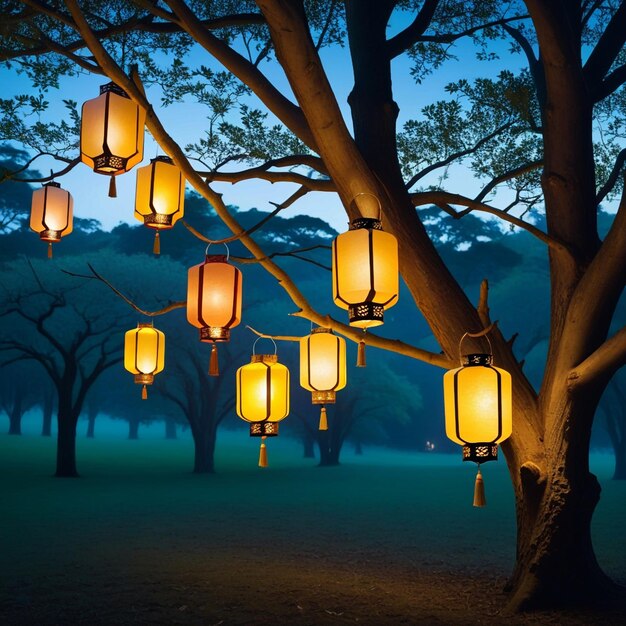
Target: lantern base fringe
214,368
479,490
156,248
323,419
360,355
50,250
263,454
112,188
144,393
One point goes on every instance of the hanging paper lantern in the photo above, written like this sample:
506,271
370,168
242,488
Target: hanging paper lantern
111,133
263,397
478,409
51,213
144,354
323,368
159,195
214,301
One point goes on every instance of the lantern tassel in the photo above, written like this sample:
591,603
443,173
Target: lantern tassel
214,369
479,490
144,393
156,248
323,419
263,454
360,355
50,250
112,188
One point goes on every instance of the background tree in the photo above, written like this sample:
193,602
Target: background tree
527,135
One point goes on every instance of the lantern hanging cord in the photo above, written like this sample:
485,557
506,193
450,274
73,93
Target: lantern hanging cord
258,339
367,193
206,252
483,333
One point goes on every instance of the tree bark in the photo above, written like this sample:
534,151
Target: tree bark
170,428
47,410
15,416
66,437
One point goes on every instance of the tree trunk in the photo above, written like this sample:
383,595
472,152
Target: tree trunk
133,428
170,428
15,416
358,448
66,441
204,449
620,464
329,447
47,409
91,421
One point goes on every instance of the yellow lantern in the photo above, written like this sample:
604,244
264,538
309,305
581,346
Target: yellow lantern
478,410
214,301
323,368
144,354
111,133
263,397
51,213
159,196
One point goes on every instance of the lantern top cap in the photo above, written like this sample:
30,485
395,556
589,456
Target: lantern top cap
162,158
370,223
145,325
481,358
215,258
113,88
264,358
53,183
321,329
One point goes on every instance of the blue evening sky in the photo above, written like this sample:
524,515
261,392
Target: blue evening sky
185,122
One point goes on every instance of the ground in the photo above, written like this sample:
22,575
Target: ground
387,538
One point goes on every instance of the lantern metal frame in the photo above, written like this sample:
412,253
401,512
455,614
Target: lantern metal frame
54,235
161,220
108,163
323,396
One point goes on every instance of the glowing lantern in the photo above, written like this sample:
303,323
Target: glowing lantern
365,274
323,368
144,354
214,301
111,133
478,409
159,195
263,397
51,213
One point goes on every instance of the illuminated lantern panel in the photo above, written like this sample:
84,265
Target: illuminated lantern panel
365,272
478,407
144,354
323,367
51,213
111,132
263,393
214,298
160,193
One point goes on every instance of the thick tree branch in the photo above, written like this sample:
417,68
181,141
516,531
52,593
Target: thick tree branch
607,49
411,34
312,184
444,199
239,66
613,176
602,363
611,83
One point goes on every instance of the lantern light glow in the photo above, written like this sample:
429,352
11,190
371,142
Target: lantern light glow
144,354
51,213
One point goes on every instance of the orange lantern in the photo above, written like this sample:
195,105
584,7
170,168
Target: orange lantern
51,213
214,301
263,396
144,354
323,368
159,196
111,133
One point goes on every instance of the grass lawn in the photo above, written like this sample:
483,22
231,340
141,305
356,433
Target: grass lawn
386,538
